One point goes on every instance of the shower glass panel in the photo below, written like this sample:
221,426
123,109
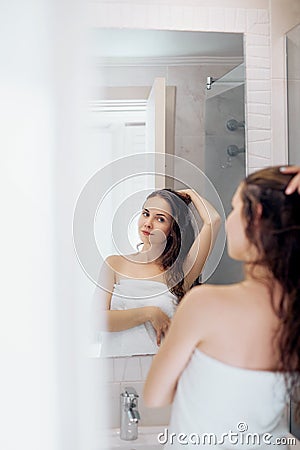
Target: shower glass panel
293,84
224,161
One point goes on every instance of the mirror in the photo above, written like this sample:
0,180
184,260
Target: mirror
180,96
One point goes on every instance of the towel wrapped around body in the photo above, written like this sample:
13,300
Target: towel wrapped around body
132,293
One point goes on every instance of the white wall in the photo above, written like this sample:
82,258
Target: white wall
46,385
284,16
28,393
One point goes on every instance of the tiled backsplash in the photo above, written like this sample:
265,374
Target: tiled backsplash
127,369
130,371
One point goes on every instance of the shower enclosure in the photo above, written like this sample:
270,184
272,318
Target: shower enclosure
225,154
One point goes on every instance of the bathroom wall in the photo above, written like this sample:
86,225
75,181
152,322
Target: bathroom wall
190,82
46,391
284,15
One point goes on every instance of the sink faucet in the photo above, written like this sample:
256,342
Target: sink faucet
129,414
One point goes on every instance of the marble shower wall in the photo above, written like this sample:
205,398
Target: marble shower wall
189,121
225,172
190,82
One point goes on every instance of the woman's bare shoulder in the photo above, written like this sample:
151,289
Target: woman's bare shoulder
212,290
227,302
113,261
211,297
116,262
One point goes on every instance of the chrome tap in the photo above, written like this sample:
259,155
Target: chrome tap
130,415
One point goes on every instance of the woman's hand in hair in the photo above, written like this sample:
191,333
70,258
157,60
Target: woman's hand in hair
187,193
294,184
160,322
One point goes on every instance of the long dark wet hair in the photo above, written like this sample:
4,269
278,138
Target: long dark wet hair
179,240
276,235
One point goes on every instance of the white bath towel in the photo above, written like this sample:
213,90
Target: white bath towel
134,293
230,403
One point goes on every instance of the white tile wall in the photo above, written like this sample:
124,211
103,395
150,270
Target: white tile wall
255,61
109,369
258,98
259,73
119,369
256,39
112,400
261,148
129,371
259,108
134,368
146,363
279,112
258,122
257,162
259,135
133,371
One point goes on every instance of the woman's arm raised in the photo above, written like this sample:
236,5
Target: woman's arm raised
204,242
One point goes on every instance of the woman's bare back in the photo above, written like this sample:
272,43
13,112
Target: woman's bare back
242,326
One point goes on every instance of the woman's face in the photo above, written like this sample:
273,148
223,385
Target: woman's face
238,245
155,220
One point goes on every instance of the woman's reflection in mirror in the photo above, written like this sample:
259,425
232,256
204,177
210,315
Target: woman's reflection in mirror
169,254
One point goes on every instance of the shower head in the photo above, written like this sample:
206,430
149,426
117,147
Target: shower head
209,82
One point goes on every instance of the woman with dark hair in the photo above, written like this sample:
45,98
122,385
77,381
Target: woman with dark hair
232,353
170,260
